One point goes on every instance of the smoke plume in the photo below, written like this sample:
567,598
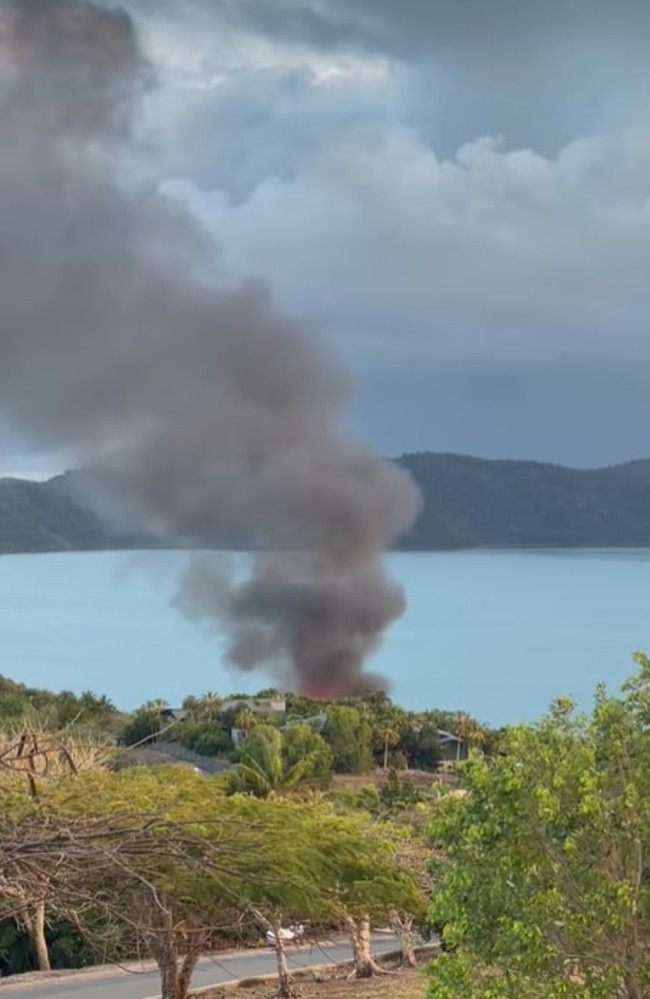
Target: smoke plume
121,346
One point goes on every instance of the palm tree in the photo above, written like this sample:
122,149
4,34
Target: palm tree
245,719
387,730
470,730
391,738
210,705
262,770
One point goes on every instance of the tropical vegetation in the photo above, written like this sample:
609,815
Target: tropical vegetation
542,865
531,861
163,861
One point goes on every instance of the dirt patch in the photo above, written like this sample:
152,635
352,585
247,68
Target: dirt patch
422,779
406,984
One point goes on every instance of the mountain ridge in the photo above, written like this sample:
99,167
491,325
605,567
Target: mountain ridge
468,502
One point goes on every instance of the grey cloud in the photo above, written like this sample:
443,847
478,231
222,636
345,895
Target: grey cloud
263,124
538,74
497,257
413,26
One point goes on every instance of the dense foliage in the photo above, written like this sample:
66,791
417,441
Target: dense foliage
543,865
91,712
351,737
269,761
163,862
96,779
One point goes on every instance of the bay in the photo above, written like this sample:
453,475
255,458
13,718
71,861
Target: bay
495,633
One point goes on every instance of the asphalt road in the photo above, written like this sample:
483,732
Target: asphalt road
114,983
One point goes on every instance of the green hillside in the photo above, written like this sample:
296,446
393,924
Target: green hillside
54,516
476,502
467,502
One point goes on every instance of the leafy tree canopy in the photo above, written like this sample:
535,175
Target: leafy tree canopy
270,761
543,863
349,736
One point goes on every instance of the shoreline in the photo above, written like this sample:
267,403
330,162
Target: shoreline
541,546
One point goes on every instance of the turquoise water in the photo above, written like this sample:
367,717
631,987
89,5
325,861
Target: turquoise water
495,633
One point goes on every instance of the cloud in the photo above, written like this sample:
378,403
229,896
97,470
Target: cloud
415,27
255,125
538,74
494,257
452,186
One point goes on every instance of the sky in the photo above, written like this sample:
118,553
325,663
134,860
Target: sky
452,195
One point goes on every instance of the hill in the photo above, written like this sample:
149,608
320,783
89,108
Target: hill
467,502
475,502
57,516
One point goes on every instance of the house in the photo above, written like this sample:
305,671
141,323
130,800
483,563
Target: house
317,722
264,707
174,714
272,708
256,705
452,747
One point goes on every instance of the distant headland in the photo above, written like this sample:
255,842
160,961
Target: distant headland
466,503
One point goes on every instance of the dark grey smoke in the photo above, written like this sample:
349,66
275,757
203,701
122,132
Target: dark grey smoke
214,413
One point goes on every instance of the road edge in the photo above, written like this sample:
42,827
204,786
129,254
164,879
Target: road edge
389,955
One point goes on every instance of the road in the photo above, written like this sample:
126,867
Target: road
115,983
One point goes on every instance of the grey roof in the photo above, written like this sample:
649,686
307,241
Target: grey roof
449,736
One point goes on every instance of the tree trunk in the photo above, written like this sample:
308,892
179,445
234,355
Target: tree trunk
168,966
364,964
285,985
386,751
33,923
163,950
175,972
365,960
38,938
188,964
403,927
169,981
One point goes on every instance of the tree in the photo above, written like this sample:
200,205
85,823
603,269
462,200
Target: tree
29,760
397,794
205,708
543,872
263,767
301,742
299,706
28,706
420,743
372,881
469,729
143,726
209,738
387,722
349,736
245,719
94,842
340,867
165,855
411,851
387,728
53,854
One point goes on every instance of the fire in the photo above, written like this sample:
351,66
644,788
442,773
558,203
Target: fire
319,692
